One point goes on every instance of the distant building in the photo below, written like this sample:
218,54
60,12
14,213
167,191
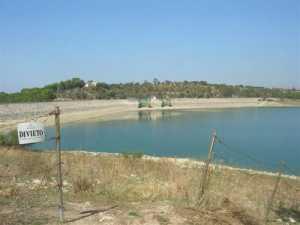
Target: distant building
153,99
90,83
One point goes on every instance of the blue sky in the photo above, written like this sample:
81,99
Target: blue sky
227,41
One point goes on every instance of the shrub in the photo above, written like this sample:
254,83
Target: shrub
2,139
83,184
166,102
133,155
9,139
141,105
144,103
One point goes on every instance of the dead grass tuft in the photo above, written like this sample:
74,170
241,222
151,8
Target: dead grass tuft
82,184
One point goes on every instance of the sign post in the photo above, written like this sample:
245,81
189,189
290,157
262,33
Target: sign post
34,132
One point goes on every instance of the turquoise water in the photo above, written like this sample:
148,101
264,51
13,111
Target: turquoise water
255,137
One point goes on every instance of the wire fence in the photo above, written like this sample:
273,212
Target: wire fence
229,155
276,191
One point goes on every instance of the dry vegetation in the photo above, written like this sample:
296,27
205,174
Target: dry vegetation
139,190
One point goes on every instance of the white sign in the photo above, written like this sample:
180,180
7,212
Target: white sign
32,132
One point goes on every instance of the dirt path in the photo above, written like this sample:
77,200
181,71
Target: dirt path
135,214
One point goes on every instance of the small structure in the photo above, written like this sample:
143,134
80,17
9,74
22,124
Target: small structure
90,83
153,99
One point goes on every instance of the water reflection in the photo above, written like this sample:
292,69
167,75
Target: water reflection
156,115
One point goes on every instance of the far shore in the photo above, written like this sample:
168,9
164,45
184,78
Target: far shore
106,110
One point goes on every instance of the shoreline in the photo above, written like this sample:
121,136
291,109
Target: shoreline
109,110
183,163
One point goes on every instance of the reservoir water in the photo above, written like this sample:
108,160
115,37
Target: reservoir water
254,137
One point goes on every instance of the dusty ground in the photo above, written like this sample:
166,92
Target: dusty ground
72,111
130,189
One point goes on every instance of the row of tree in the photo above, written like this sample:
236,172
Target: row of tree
75,89
47,93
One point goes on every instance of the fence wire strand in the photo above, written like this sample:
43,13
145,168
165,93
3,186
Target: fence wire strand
253,159
241,153
292,171
34,118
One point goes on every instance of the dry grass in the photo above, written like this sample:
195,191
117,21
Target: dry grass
82,184
232,197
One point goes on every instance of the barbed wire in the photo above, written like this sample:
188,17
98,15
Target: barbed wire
230,158
47,115
32,118
221,155
46,119
219,158
242,153
292,171
253,159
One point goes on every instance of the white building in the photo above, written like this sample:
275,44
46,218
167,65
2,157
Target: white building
153,99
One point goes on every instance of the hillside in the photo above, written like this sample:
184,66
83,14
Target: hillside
76,89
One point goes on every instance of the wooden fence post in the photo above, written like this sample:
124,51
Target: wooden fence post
270,203
59,171
205,174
